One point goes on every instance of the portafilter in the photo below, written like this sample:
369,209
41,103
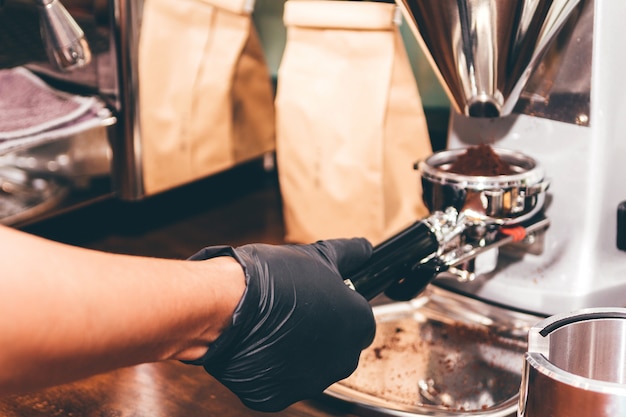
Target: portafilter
469,214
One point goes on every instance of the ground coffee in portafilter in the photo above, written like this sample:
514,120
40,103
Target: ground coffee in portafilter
480,160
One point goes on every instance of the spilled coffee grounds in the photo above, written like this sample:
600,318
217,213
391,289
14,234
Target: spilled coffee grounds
480,160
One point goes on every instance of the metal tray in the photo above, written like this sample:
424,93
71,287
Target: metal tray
440,354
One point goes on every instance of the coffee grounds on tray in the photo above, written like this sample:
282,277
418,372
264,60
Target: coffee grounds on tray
480,160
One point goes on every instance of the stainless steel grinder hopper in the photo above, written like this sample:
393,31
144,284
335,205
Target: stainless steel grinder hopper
484,51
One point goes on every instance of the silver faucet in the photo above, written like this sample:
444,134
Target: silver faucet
64,40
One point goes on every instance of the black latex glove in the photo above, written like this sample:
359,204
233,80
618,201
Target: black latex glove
298,328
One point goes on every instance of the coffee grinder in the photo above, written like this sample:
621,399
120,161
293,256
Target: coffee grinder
540,82
544,78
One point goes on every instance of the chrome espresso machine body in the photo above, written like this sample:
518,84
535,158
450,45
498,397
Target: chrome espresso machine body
545,78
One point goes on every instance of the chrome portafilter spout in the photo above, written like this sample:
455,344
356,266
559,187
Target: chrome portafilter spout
64,40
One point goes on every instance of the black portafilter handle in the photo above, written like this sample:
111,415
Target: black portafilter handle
396,266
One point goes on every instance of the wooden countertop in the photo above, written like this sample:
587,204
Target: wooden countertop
167,389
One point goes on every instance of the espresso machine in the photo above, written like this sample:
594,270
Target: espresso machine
85,50
52,160
86,53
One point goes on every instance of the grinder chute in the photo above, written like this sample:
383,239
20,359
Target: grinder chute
484,51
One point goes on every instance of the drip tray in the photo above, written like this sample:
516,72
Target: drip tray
441,354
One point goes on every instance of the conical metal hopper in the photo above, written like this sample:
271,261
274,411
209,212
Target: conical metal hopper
484,51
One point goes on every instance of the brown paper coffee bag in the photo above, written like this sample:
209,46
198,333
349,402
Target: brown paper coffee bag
206,97
350,123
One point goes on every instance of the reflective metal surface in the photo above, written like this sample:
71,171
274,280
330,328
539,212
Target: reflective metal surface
73,158
484,51
560,87
23,196
65,41
440,354
509,199
576,365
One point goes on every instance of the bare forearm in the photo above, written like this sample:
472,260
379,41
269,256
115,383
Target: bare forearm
69,312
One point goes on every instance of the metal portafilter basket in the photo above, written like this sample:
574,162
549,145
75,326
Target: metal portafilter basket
469,215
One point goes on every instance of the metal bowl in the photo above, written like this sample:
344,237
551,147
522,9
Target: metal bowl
508,199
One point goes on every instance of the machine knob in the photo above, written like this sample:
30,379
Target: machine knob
621,226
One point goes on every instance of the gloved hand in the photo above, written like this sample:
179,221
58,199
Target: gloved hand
298,328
